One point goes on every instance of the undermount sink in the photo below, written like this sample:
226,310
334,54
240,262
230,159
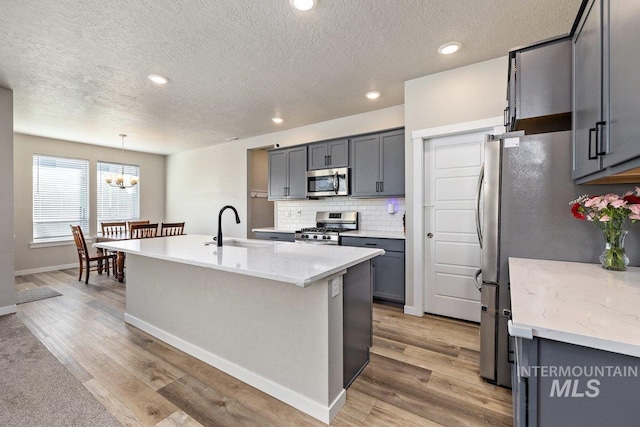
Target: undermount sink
250,244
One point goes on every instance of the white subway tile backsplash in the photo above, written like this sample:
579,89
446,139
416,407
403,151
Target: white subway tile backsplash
372,213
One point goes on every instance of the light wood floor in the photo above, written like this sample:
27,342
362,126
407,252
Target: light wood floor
423,371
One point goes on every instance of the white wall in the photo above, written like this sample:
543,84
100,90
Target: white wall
200,182
152,195
470,93
7,282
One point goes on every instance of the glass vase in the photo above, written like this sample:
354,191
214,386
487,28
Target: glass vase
614,256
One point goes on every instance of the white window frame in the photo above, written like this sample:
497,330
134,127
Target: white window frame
48,192
112,194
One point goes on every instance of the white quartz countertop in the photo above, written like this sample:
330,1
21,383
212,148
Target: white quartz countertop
576,303
300,264
375,234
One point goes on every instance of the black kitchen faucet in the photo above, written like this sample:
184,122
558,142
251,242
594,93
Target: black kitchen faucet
219,238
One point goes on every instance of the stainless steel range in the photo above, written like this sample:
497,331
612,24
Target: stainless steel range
328,227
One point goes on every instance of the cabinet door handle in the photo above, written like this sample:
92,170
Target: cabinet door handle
329,157
506,118
381,186
377,186
371,244
591,156
325,160
599,149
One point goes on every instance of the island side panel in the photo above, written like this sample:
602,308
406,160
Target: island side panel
283,333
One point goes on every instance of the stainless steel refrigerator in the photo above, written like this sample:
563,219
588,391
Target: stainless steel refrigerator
526,188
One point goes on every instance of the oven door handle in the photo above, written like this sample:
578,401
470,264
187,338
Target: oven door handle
336,183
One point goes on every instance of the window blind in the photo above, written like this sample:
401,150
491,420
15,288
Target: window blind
60,196
116,204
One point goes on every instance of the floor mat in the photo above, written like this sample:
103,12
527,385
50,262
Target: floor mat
35,294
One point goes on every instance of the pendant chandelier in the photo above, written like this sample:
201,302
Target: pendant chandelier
121,180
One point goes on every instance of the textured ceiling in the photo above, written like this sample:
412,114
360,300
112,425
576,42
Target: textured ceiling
79,68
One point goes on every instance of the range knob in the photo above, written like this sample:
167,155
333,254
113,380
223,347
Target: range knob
315,236
325,237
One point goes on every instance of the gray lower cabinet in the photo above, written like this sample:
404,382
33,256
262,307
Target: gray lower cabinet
561,384
287,173
605,93
274,235
388,269
377,164
329,154
357,327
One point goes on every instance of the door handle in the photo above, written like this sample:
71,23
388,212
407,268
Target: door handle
382,186
591,156
336,183
378,187
329,159
599,150
476,281
506,118
430,235
478,193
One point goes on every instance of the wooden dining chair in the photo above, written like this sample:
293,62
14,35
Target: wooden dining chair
85,259
171,228
143,231
132,223
119,227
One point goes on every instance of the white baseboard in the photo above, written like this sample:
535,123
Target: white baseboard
45,269
409,309
10,309
288,396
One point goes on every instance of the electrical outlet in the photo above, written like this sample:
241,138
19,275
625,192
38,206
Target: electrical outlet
299,214
287,214
335,287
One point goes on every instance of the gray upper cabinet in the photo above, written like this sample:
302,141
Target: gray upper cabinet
624,89
329,154
278,175
392,163
539,90
606,144
287,173
365,158
377,164
587,93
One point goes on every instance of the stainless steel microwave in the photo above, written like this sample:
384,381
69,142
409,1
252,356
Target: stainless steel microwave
328,182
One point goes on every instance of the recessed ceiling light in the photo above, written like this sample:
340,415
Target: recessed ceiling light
449,48
157,78
374,94
303,5
277,120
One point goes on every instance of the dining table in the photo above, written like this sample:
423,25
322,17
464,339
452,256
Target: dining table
112,237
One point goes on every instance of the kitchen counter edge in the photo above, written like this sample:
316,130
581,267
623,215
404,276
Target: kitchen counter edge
576,303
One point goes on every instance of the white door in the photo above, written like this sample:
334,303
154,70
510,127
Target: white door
453,254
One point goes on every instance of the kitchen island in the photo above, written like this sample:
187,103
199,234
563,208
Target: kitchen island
267,313
576,329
